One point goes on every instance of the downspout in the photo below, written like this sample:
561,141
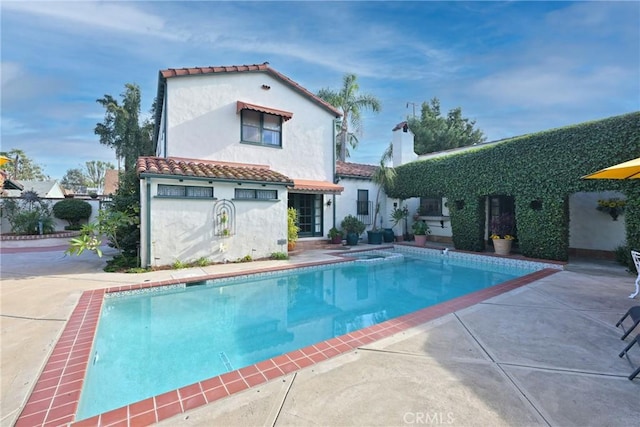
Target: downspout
166,118
148,225
335,121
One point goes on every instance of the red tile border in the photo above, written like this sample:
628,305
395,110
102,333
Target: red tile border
54,400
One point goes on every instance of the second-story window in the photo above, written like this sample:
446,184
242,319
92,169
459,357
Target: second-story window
261,128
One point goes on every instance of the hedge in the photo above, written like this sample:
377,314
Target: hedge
540,171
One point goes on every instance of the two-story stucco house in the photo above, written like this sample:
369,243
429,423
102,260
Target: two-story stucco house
235,147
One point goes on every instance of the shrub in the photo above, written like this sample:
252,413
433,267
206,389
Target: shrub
623,256
351,224
279,255
72,210
292,225
27,214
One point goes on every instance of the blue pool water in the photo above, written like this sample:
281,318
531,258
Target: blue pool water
159,340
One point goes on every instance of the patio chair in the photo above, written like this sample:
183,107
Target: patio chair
636,340
634,312
636,260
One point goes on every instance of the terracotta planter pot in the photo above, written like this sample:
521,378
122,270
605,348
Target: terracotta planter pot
502,246
400,238
291,246
421,239
336,240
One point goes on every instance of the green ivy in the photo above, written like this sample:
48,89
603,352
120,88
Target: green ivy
540,171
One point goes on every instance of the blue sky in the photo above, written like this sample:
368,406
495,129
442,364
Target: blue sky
514,67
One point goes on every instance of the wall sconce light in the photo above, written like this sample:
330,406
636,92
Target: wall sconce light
329,202
395,204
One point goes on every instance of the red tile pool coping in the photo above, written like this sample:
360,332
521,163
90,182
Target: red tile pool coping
54,399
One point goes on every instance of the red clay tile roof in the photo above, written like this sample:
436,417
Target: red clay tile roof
355,170
216,171
261,68
308,186
246,106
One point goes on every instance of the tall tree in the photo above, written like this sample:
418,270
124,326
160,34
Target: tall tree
74,180
121,128
22,168
350,103
433,132
95,171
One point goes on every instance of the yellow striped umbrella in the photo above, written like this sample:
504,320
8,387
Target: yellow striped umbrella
4,160
626,170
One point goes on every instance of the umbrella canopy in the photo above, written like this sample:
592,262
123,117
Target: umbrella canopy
626,170
4,160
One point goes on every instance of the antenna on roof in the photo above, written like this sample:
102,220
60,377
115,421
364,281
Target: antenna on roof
414,108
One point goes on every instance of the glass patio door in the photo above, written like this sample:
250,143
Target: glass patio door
309,207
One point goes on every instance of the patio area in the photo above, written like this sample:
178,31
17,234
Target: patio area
542,354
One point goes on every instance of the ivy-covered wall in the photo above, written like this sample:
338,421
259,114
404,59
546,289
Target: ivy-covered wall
540,171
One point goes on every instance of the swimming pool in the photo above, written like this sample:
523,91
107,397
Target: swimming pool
153,341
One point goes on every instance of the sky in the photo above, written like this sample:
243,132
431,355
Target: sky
513,67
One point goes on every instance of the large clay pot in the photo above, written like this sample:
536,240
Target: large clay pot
502,246
421,239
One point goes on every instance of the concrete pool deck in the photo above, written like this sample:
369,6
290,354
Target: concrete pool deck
543,354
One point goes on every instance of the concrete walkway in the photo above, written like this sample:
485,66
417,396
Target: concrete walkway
543,354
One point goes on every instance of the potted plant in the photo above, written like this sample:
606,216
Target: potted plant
613,207
398,217
335,236
353,227
420,231
292,228
502,233
383,177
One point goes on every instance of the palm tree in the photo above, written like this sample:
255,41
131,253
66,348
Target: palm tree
349,102
384,176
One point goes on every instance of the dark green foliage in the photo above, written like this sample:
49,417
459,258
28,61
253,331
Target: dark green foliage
28,222
433,132
127,199
623,256
351,224
72,210
540,171
279,255
28,214
120,263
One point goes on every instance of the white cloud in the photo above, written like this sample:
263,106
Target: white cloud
114,17
11,126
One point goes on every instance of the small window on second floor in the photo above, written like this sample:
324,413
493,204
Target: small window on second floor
261,128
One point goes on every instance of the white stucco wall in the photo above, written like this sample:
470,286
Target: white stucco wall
182,229
403,147
346,203
592,229
202,123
